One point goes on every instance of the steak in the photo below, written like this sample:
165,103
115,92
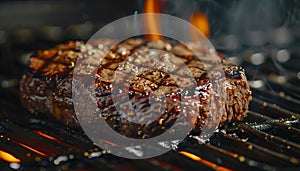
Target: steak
148,86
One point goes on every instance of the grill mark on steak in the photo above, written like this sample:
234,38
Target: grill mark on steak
46,86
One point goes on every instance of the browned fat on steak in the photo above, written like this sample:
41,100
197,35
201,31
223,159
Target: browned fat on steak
46,86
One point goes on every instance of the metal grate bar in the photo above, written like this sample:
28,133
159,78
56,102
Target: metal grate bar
268,141
173,158
222,157
274,97
27,138
286,87
250,150
271,110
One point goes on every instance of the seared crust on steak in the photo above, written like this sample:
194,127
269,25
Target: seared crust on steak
46,86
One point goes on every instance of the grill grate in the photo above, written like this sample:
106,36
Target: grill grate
267,139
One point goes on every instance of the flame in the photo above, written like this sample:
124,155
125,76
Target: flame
200,21
8,157
152,22
208,163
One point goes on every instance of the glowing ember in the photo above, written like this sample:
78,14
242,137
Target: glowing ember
55,139
46,135
108,142
8,157
33,150
208,163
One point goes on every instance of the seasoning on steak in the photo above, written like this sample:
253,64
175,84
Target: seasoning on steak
46,86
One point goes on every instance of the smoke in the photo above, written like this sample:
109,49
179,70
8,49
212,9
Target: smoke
251,20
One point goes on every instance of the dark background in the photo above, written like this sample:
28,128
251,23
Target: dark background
236,25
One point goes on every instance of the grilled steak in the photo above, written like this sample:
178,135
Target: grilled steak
46,86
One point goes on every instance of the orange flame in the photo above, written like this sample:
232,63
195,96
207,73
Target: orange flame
8,157
152,22
200,21
208,163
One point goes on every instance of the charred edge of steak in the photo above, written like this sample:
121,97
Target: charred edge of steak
44,71
46,86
